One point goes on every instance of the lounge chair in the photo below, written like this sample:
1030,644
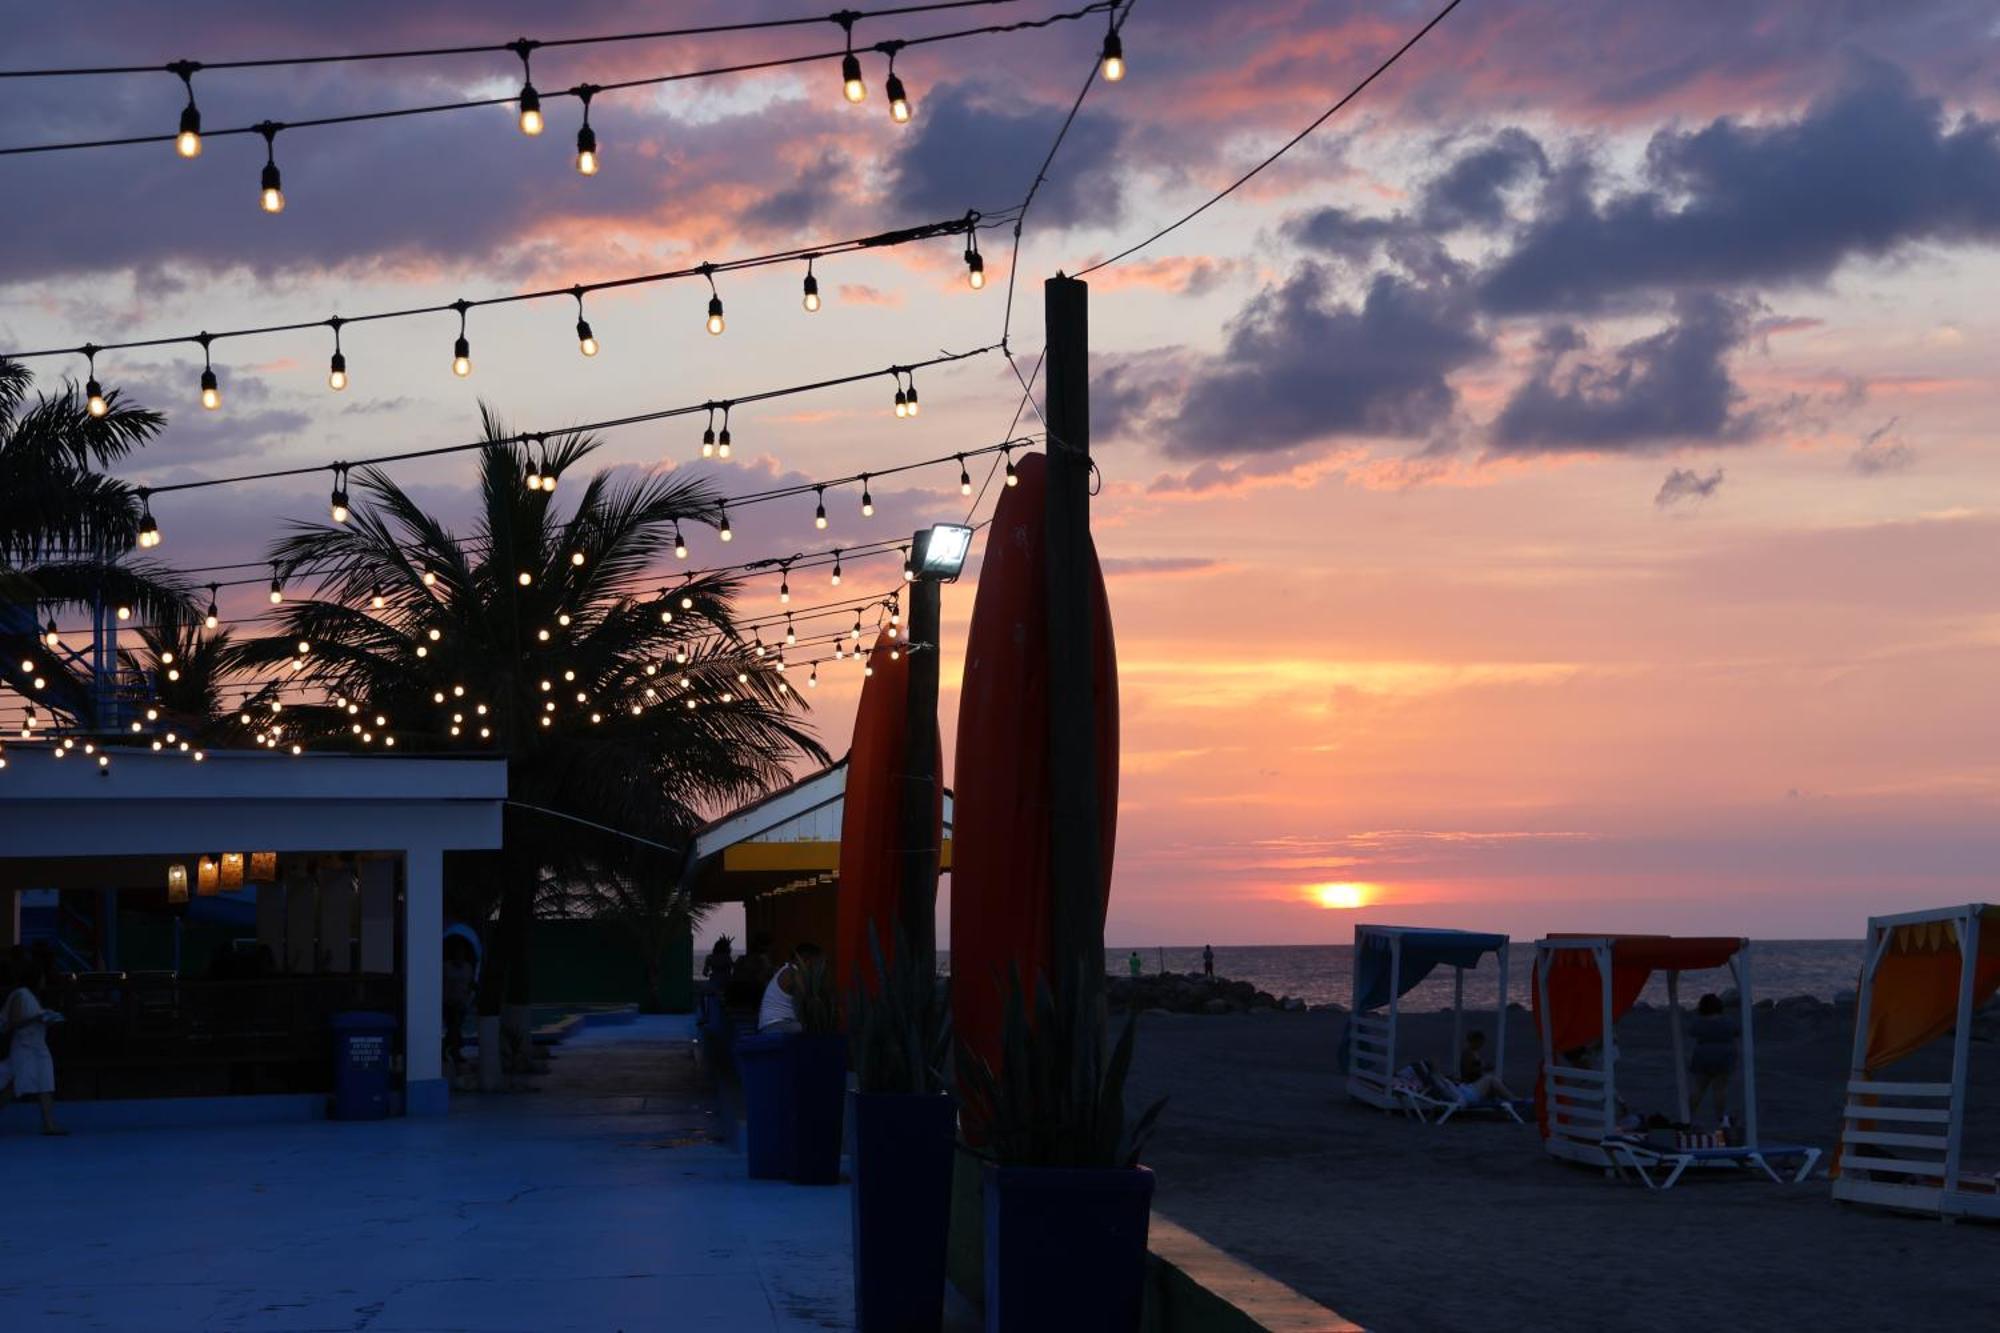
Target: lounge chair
1643,1157
1435,1110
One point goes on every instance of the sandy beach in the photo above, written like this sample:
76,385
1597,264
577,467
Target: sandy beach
1402,1226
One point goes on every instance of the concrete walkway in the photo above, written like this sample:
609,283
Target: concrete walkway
600,1203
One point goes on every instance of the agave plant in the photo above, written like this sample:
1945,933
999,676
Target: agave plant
900,1028
545,639
1056,1100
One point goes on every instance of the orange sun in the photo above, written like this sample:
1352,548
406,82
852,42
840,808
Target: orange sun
1344,897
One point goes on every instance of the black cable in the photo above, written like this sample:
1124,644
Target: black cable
781,62
1286,147
880,240
498,48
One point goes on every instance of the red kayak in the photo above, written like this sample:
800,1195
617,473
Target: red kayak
870,877
1000,892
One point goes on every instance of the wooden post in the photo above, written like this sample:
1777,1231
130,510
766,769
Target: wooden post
1500,1024
1075,866
917,819
1680,1053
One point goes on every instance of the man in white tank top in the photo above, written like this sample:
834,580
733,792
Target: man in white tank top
777,1013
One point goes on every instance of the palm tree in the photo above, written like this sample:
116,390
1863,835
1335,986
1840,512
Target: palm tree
185,673
65,531
541,639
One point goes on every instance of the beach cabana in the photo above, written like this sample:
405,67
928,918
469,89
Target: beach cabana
1925,974
1583,986
1389,962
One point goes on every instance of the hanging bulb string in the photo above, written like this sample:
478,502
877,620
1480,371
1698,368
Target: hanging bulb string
961,225
1282,149
512,99
495,48
609,423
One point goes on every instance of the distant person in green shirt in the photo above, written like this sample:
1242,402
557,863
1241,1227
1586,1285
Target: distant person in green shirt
1133,963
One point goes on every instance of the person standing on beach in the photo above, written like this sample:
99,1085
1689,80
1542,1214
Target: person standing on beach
1134,965
1208,961
1714,1057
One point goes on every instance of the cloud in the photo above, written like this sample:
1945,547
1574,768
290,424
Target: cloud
1882,451
1867,172
1667,388
1471,192
970,149
1686,486
1159,566
1301,367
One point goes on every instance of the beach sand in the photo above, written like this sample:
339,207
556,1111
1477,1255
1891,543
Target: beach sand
1402,1226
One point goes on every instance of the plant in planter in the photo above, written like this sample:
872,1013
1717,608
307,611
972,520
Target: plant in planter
1066,1201
904,1130
818,1059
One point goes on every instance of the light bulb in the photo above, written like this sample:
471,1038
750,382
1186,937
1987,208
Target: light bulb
277,594
819,511
586,342
461,358
715,314
211,390
902,403
975,269
1013,477
911,397
272,192
811,301
94,399
899,101
188,142
586,151
212,619
680,544
125,613
338,506
149,530
722,445
336,372
525,578
850,78
725,533
531,110
964,478
867,505
1113,57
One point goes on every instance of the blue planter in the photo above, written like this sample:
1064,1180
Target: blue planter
903,1145
1066,1248
819,1094
770,1101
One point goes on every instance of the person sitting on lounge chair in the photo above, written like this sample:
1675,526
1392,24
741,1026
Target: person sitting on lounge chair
1476,1082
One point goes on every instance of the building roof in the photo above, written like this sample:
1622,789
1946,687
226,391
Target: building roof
788,839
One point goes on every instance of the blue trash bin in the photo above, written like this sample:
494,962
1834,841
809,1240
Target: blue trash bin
362,1046
770,1096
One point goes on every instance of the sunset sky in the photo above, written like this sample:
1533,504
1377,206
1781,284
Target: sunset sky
1559,495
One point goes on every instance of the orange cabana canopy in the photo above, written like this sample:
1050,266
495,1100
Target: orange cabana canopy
1914,998
1576,990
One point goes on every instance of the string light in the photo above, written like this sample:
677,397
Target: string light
214,615
149,528
722,441
124,612
785,582
909,575
680,542
910,395
902,403
1113,56
811,301
187,141
93,392
975,263
899,101
867,498
586,341
461,351
586,137
531,101
791,632
336,369
836,567
337,503
851,86
819,507
271,189
1013,477
376,601
715,324
724,531
708,435
211,388
964,477
277,585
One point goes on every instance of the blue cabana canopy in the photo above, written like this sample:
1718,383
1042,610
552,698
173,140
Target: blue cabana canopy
1423,950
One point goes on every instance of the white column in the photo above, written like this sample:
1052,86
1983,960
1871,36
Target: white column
423,981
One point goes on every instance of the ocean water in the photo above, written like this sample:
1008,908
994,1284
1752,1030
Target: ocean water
1324,973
